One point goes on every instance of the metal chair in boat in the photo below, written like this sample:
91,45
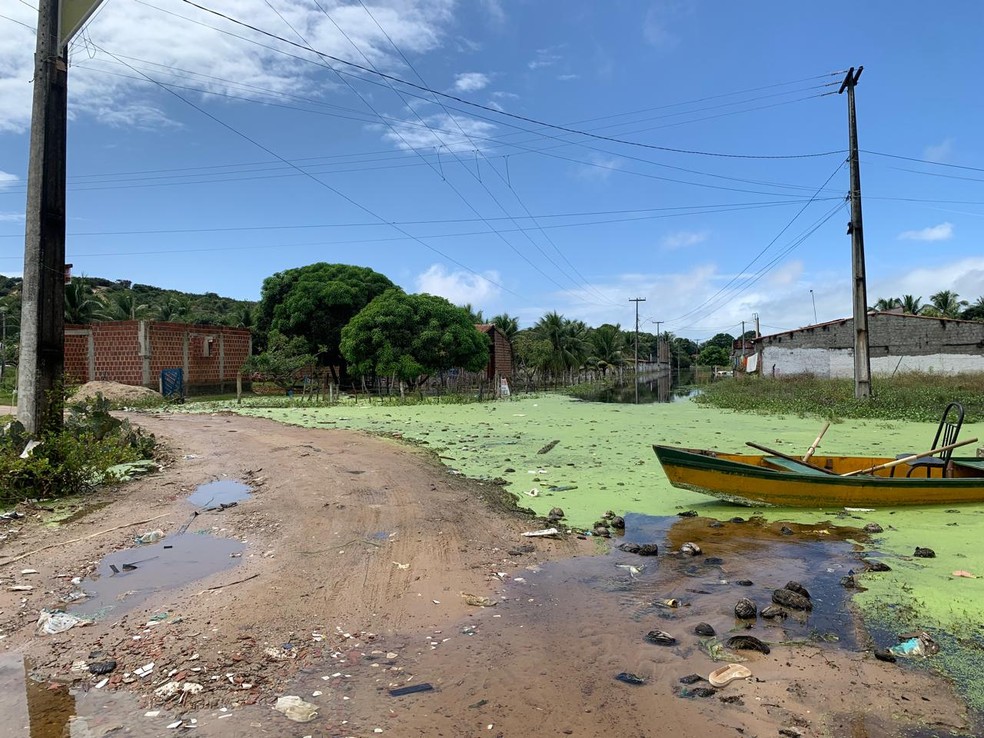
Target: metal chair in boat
946,435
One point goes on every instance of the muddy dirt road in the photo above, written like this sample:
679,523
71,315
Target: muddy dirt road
356,565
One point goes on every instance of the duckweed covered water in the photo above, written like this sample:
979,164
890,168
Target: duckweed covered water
604,461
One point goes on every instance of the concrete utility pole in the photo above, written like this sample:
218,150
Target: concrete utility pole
637,300
862,356
42,363
658,324
3,342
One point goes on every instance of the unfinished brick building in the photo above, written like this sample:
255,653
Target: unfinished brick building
136,351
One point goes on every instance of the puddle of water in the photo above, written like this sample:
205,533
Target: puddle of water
28,707
220,493
126,578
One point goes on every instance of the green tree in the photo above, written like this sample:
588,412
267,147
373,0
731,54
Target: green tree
568,339
282,360
946,304
316,302
975,311
530,353
81,304
172,310
722,340
911,305
607,347
714,356
124,305
410,337
507,324
887,303
475,316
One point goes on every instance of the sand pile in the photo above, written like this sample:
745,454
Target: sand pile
115,392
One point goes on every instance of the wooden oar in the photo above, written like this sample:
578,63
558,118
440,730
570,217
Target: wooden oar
781,455
907,459
813,448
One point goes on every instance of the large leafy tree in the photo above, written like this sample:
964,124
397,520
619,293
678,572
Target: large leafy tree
713,356
283,359
411,337
721,340
316,302
975,311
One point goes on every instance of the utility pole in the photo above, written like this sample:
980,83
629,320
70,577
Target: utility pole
658,324
42,363
862,356
637,300
3,341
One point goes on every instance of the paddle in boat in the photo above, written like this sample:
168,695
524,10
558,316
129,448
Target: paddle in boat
774,478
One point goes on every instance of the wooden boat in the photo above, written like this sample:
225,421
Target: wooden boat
749,479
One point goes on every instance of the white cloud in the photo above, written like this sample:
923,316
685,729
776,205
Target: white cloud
939,152
545,58
106,88
683,239
459,287
567,77
654,28
598,168
7,179
965,277
941,232
7,217
786,274
449,134
495,11
471,82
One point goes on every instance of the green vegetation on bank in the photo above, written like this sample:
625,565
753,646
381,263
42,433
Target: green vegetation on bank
72,461
917,397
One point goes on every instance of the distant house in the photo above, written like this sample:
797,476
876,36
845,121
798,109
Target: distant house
500,352
897,343
136,351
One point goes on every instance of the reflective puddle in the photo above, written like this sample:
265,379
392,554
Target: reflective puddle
126,578
219,494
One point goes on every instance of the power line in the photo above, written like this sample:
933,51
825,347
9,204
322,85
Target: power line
515,116
923,161
334,190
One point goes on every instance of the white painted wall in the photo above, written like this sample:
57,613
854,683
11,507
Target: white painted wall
840,362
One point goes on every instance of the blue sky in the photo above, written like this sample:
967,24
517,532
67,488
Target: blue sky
205,156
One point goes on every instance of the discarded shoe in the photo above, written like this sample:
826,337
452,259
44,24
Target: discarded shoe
629,678
727,674
660,638
745,609
691,679
704,629
798,589
747,643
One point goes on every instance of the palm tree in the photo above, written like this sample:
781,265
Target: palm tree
887,303
568,342
123,306
912,305
507,324
244,317
608,347
947,304
474,315
172,310
81,304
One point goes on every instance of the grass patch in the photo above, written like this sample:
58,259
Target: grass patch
911,397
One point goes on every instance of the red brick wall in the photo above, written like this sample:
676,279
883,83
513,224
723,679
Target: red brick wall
118,359
76,355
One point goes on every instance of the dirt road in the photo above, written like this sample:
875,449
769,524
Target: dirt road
357,565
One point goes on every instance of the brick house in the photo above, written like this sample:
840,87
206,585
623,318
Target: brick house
136,351
500,352
897,342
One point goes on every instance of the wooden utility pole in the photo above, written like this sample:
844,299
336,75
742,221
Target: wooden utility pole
862,356
42,342
658,324
637,300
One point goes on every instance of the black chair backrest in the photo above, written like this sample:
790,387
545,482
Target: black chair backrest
949,429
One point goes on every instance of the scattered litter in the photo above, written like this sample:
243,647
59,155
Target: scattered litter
533,493
545,533
671,603
20,588
12,515
31,445
144,670
548,448
728,673
29,571
412,689
176,724
152,713
296,709
398,565
51,623
965,574
102,682
152,536
131,469
629,678
859,509
690,548
478,601
915,645
633,570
